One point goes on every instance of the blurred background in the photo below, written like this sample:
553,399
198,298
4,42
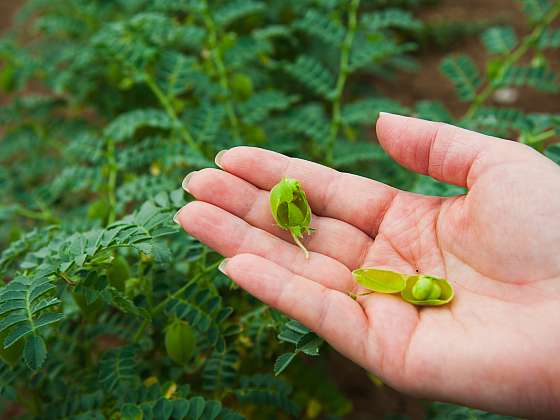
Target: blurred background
456,27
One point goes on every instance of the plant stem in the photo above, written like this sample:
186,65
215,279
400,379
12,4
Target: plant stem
220,68
161,306
298,243
343,71
164,101
45,216
357,295
111,181
513,58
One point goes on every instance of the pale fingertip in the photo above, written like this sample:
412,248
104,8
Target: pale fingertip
185,183
176,216
222,266
389,114
218,158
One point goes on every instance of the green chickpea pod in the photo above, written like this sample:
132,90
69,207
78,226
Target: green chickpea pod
291,210
420,290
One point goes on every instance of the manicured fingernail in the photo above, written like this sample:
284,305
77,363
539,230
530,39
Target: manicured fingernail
185,183
222,266
218,158
176,217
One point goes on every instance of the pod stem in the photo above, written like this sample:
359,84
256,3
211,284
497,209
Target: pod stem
357,295
298,243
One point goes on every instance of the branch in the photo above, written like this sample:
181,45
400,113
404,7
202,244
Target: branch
513,58
344,70
220,68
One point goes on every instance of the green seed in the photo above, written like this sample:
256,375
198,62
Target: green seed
435,292
423,288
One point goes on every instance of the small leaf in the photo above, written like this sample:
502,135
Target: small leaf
282,362
35,352
131,412
309,344
463,73
163,409
381,281
196,408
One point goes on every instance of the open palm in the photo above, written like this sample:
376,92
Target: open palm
496,346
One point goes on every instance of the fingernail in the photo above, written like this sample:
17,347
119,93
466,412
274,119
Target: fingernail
222,266
176,217
185,183
218,158
390,114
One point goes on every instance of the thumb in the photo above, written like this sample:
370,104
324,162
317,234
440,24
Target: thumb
445,152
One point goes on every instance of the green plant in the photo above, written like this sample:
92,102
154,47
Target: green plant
111,103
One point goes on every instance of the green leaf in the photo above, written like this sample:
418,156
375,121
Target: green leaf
389,18
540,77
464,75
282,362
267,390
262,104
35,352
536,9
346,154
433,111
500,39
197,408
366,111
553,152
174,72
220,371
26,308
381,281
550,38
118,368
131,412
125,125
309,344
321,26
311,73
427,185
163,409
237,9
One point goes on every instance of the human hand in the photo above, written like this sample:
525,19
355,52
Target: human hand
495,346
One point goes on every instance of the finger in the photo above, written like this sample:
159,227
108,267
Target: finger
353,199
332,237
229,235
331,314
442,151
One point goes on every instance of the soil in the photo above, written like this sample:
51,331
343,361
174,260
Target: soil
375,401
8,9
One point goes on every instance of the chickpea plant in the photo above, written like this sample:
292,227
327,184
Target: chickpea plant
107,309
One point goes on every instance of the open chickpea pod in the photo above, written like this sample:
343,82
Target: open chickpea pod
420,289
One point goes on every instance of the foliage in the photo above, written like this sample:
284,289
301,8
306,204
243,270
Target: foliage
112,103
